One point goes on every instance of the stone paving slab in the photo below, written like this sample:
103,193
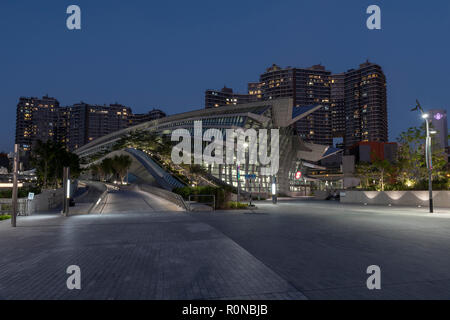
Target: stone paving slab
153,255
324,249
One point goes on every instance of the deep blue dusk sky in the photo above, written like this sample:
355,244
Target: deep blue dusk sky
166,53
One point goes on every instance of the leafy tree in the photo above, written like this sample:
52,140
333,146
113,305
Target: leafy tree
110,167
42,159
121,164
96,171
145,140
383,170
49,158
107,169
364,171
412,169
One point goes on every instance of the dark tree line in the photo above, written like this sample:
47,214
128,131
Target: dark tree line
49,158
110,168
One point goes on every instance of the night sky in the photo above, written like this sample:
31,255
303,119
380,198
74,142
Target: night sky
165,54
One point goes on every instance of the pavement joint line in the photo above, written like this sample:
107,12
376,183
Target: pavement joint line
262,262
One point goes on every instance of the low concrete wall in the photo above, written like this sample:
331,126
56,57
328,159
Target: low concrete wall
23,207
402,198
47,200
321,194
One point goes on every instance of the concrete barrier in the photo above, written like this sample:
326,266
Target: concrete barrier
47,200
95,195
441,199
321,194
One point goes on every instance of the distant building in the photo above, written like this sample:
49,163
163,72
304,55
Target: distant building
73,126
372,151
36,119
255,91
337,106
144,117
85,122
439,122
307,86
354,105
365,105
226,96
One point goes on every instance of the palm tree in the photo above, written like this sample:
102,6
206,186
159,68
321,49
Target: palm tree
121,164
107,168
96,171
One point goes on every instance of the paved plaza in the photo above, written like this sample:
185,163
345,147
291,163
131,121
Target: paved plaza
137,246
324,248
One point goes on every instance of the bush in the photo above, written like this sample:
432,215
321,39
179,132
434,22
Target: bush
220,194
4,217
23,192
236,205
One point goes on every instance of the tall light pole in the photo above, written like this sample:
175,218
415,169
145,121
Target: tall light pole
428,153
429,160
238,176
15,185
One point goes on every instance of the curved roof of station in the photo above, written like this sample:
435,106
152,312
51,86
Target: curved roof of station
279,111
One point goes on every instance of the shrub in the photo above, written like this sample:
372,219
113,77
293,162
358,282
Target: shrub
23,192
220,194
236,205
4,217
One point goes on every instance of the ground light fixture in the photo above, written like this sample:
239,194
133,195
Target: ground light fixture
274,191
68,188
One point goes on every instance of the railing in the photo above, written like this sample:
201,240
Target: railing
244,194
168,195
203,195
100,200
24,207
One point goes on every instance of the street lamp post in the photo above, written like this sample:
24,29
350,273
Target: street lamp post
238,176
428,154
15,186
429,161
